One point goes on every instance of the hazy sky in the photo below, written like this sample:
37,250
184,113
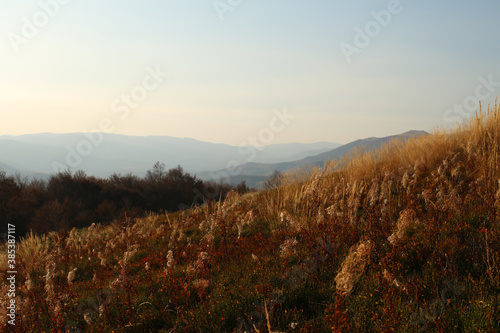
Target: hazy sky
66,65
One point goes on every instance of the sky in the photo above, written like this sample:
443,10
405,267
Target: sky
227,70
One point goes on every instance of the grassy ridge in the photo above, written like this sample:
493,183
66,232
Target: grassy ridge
403,240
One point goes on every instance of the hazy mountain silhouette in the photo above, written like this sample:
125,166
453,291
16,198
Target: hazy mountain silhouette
36,154
256,173
7,168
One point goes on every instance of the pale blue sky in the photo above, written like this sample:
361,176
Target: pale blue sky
227,76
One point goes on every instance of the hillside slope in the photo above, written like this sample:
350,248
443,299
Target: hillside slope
403,240
256,173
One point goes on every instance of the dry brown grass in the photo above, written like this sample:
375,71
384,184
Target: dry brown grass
407,220
396,162
443,187
33,250
353,267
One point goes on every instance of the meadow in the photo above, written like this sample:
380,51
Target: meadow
405,239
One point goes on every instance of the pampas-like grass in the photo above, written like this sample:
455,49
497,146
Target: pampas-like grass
353,267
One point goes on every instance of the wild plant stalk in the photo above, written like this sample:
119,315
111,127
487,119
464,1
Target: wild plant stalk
411,213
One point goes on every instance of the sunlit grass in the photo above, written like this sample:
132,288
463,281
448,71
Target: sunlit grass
403,239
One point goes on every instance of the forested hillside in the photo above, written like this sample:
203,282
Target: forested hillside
70,200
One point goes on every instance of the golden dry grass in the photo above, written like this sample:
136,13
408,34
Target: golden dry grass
353,267
414,215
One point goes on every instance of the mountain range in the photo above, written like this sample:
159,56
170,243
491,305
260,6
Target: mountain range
42,155
256,173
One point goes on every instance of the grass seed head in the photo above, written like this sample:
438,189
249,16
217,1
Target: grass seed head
353,267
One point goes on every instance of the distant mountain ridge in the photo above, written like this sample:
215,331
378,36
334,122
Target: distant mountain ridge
7,168
257,173
36,154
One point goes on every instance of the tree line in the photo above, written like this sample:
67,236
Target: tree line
68,200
